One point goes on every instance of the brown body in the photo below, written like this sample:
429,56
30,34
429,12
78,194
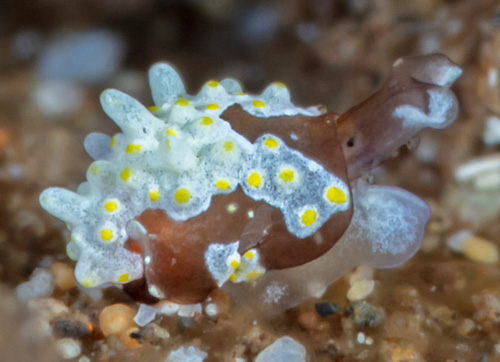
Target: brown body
177,249
366,135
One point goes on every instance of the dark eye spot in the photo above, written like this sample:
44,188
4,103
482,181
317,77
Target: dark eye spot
350,142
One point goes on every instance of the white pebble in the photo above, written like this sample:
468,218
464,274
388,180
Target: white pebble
284,349
456,240
57,98
211,310
470,170
489,180
168,308
189,310
89,57
491,133
186,354
40,285
361,338
145,315
68,348
360,289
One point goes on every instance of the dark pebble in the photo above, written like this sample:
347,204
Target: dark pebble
136,335
64,328
326,309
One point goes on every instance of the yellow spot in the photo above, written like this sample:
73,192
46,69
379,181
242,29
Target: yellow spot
86,283
213,84
287,175
112,141
94,169
182,196
254,179
110,206
171,132
232,278
168,146
234,264
125,174
308,217
240,93
232,208
153,109
279,84
123,278
253,275
206,121
249,255
335,195
212,107
228,146
258,104
222,185
154,195
182,102
106,234
131,148
271,143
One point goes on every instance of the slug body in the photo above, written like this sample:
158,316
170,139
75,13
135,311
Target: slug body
223,186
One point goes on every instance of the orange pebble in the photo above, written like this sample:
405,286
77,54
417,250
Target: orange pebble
116,319
89,326
63,275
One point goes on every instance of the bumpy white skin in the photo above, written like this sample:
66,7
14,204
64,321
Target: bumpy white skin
175,157
386,230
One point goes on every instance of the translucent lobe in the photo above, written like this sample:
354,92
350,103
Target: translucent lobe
433,69
128,114
166,84
97,145
386,230
64,204
95,267
391,221
232,86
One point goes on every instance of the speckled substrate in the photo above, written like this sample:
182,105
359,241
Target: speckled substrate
442,305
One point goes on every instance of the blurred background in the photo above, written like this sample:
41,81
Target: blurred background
57,56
